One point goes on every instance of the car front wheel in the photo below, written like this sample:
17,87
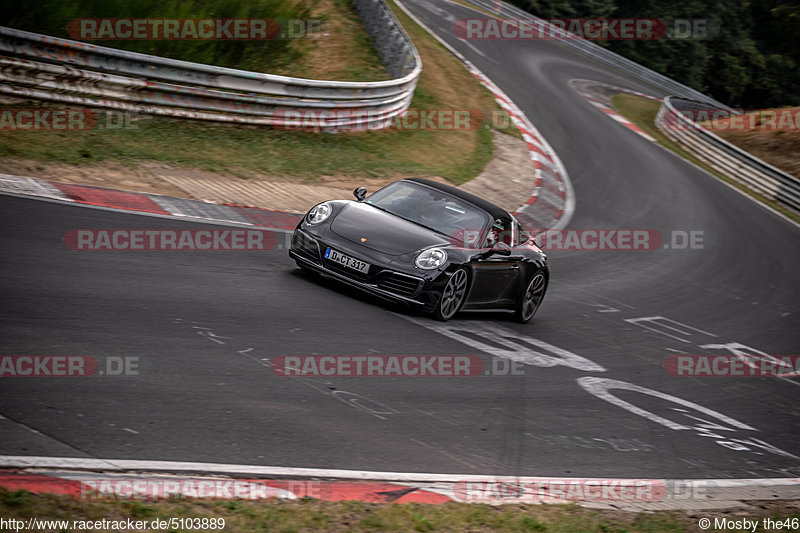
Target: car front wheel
453,296
532,298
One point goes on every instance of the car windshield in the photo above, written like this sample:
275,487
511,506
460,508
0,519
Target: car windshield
430,207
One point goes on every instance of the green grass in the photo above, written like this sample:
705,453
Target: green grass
642,112
314,515
250,151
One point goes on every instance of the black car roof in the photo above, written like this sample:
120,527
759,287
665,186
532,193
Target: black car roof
489,207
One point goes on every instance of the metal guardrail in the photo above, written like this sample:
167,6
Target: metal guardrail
71,72
666,85
676,120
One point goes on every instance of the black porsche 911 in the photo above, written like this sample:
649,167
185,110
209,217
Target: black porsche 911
425,244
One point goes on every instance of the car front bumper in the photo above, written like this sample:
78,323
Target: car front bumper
387,283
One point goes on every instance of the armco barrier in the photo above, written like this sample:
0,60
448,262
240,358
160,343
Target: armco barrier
504,10
70,72
724,157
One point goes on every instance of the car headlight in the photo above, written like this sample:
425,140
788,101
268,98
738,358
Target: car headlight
431,258
319,213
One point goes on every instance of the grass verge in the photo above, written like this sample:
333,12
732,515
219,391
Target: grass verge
642,112
315,515
265,153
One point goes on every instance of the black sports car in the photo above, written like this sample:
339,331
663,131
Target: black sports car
428,245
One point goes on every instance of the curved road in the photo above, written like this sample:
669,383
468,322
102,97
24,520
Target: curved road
201,325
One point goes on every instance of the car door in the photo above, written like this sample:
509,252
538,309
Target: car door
497,276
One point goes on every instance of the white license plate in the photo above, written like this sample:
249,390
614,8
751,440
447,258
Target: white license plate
346,260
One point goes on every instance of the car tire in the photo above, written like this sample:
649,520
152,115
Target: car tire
453,295
531,298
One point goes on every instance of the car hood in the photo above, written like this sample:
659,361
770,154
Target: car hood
381,231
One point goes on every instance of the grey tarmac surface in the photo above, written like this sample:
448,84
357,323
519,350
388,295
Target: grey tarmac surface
201,323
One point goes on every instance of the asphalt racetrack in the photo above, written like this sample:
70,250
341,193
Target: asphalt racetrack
594,399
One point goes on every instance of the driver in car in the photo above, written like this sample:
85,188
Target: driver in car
426,210
431,211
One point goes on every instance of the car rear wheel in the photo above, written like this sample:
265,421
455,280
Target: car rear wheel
453,296
532,298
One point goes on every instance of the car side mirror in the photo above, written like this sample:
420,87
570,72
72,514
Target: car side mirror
499,248
360,193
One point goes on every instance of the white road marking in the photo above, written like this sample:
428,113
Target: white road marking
121,465
663,322
508,344
748,354
600,387
606,308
